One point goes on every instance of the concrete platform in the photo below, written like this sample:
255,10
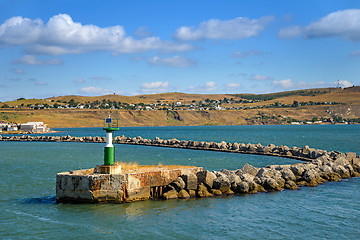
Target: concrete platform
90,186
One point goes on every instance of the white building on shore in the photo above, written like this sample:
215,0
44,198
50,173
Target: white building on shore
34,127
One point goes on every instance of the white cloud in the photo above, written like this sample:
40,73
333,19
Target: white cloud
259,77
345,83
207,87
32,60
155,87
355,53
95,91
242,54
344,23
232,86
175,61
61,35
284,84
237,28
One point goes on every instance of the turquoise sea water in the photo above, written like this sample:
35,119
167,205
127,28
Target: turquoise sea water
27,189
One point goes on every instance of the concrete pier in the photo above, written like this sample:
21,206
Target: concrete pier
88,186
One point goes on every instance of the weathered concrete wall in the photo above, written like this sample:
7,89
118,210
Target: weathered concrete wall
87,186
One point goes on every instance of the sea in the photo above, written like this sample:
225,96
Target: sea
28,209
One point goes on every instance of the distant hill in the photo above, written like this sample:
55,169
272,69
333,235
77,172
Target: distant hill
168,109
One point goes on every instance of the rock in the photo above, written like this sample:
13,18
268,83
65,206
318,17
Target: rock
243,187
312,177
202,191
183,194
172,194
229,192
178,184
192,193
216,192
190,181
247,168
222,183
270,184
290,185
341,161
342,171
207,178
288,175
235,146
297,169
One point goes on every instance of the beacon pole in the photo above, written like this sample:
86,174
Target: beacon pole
109,147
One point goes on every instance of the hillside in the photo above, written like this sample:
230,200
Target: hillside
241,109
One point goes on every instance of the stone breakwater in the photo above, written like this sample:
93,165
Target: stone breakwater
319,166
250,179
305,153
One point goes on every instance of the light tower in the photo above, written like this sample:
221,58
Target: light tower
109,147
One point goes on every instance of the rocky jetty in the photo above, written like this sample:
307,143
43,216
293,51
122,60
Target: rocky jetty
319,166
305,153
249,179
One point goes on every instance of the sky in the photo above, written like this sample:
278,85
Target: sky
84,47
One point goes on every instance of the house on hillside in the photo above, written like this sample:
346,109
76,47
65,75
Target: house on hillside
34,127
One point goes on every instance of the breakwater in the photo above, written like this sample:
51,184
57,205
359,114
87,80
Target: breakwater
305,153
319,166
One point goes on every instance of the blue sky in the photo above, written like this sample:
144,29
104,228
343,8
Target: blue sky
52,48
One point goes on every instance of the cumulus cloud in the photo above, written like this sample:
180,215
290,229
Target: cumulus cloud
344,23
284,84
95,91
175,61
61,35
33,60
155,87
207,87
345,83
259,77
243,54
237,28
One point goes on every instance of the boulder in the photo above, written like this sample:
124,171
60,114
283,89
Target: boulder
172,194
247,168
222,183
183,194
207,178
242,187
202,191
290,185
312,177
190,181
178,184
216,192
288,175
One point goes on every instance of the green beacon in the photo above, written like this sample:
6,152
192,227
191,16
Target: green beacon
109,147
